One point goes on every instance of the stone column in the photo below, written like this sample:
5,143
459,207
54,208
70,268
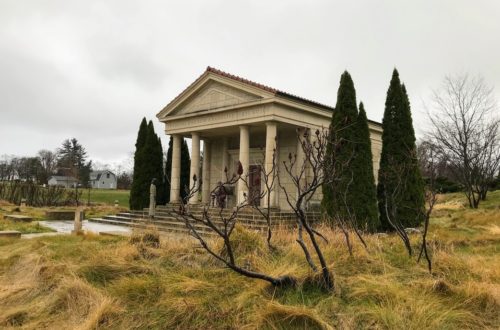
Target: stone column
301,158
206,189
245,161
225,161
271,148
175,180
195,165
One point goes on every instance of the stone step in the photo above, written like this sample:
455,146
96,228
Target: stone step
19,217
143,225
179,222
10,234
166,219
254,223
252,217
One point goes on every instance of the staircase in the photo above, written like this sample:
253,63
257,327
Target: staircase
167,220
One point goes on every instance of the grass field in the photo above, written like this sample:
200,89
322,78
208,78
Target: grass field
88,282
107,196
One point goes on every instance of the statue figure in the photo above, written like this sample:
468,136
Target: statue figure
221,195
152,198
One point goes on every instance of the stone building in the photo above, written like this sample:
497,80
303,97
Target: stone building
240,120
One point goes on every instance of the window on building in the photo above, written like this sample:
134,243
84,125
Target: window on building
107,176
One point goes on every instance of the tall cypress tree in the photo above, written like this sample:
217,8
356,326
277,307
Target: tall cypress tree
136,191
185,169
161,197
400,184
337,196
363,190
148,164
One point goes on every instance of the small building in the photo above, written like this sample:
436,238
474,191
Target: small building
103,180
62,181
238,120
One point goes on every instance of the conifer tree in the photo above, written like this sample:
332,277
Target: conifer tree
185,169
363,190
148,164
137,189
161,184
399,174
337,195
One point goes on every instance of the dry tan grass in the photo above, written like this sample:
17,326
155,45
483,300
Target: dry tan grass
93,282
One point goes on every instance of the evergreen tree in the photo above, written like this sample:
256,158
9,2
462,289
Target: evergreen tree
161,182
399,171
72,161
139,181
185,169
363,190
338,195
153,165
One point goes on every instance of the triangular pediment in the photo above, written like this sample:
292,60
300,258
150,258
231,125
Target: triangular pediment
213,95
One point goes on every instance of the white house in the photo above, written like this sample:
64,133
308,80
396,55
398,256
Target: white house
62,181
103,179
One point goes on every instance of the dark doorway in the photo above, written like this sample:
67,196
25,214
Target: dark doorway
254,184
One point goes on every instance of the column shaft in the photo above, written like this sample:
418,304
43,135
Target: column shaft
195,165
271,150
175,179
205,196
245,161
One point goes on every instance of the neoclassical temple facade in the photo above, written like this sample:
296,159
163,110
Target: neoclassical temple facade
240,120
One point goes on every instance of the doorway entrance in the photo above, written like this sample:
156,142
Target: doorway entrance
254,184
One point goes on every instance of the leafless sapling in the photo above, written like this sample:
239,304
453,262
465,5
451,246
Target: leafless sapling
306,171
222,226
465,128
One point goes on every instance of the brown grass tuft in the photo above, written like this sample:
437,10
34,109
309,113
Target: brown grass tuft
278,316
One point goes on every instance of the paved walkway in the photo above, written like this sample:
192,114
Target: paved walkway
67,226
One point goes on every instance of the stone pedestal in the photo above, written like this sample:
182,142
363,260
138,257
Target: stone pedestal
79,216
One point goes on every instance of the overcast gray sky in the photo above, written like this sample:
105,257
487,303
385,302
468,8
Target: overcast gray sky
93,69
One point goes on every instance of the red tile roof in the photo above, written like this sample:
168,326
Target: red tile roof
275,91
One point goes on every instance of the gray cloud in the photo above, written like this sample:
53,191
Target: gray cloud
93,69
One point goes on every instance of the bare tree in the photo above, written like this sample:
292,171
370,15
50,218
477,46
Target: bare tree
269,176
308,171
466,131
48,164
222,225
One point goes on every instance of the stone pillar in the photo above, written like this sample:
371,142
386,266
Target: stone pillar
245,161
271,148
225,161
195,165
206,189
77,225
175,180
301,158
